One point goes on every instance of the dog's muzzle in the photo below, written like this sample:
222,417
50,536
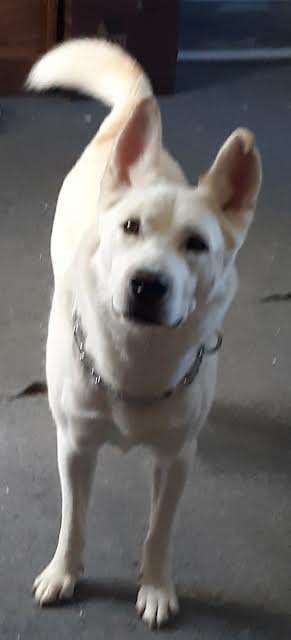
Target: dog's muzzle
148,297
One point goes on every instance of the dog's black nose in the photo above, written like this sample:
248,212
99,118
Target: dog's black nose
149,288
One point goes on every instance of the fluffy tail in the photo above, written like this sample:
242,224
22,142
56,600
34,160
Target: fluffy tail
95,67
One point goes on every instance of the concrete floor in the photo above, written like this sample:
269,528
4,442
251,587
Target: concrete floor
233,544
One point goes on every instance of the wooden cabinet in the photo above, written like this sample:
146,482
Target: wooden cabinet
147,28
27,29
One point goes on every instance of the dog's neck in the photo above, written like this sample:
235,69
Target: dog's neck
140,360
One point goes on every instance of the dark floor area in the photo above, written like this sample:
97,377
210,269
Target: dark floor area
233,543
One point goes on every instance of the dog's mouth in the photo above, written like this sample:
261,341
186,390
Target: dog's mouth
143,320
146,318
151,322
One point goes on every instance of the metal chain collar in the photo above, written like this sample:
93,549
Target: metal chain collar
88,366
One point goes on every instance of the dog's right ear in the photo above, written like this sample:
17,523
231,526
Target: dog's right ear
137,149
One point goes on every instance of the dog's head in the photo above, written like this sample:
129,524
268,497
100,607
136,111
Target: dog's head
165,247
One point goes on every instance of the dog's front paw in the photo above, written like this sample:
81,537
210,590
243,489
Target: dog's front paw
156,604
54,583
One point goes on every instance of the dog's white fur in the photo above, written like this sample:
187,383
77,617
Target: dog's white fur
126,173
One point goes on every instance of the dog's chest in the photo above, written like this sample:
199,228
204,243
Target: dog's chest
98,417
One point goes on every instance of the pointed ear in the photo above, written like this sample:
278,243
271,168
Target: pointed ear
234,179
136,149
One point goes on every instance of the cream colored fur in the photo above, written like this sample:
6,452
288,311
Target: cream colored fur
126,173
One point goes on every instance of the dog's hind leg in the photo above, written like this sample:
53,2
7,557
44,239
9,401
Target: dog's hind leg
157,598
76,469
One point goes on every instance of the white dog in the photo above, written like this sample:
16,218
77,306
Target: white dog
144,273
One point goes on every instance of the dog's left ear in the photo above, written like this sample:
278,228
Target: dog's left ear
234,180
137,148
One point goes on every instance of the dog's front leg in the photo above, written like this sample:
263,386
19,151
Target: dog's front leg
76,468
157,598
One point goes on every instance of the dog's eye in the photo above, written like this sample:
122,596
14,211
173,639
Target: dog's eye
132,226
196,244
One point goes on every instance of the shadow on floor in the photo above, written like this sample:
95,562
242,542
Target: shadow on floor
243,439
194,609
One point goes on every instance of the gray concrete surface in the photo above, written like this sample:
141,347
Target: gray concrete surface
233,544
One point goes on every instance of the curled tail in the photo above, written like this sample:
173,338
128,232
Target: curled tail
96,67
